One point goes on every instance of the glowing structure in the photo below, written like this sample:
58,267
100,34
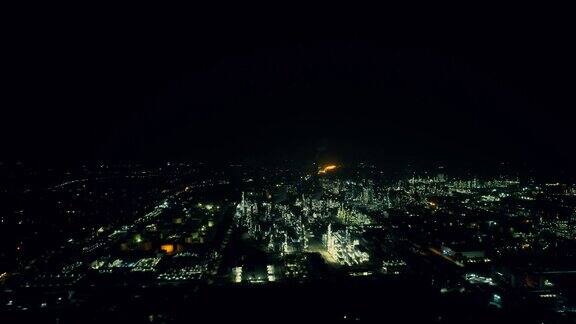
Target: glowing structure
327,168
343,248
168,248
352,217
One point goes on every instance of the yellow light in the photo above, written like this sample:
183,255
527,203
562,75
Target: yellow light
327,168
168,248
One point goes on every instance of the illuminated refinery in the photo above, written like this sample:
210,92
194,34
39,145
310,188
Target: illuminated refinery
503,242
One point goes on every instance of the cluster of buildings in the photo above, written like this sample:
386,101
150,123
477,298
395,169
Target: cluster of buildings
344,248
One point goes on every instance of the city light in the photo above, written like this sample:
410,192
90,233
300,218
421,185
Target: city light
286,231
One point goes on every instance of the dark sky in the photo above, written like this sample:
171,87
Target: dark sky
89,91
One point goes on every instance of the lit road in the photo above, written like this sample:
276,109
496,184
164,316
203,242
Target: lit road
445,257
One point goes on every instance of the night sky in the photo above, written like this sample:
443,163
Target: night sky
81,91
